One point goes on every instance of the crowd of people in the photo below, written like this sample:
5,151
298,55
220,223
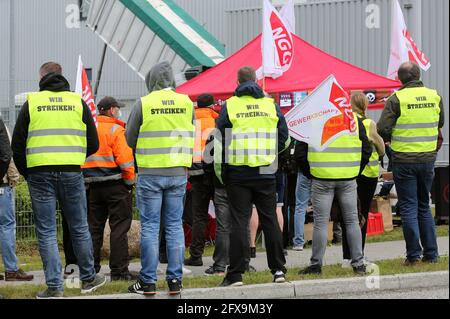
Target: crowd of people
237,158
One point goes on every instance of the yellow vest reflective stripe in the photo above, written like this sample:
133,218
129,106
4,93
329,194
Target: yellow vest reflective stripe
56,133
254,131
341,160
416,130
166,136
372,169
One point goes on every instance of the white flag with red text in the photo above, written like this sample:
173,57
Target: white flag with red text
277,44
83,87
403,47
323,116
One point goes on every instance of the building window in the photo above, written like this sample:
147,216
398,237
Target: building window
84,9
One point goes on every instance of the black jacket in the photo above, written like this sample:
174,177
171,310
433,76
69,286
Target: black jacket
388,120
301,154
5,150
54,83
239,173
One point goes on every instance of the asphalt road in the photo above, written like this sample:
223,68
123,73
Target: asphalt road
423,293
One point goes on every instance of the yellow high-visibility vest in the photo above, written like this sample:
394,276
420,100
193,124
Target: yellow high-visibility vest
166,136
254,131
417,128
56,133
372,169
340,160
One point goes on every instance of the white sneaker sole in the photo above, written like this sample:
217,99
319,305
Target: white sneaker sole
88,291
280,280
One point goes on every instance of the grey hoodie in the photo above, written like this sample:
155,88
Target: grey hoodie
160,77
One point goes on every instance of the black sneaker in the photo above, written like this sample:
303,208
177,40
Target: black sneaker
175,286
50,294
143,289
231,283
360,270
411,262
311,270
430,260
214,271
279,277
196,262
88,287
252,252
126,276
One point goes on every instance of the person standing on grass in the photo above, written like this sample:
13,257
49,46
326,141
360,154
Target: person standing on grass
333,172
368,180
54,134
161,131
110,176
410,122
253,129
8,225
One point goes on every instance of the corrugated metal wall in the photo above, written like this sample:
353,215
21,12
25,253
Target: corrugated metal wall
42,35
339,28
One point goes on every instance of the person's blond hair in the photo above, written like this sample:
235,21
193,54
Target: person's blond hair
359,102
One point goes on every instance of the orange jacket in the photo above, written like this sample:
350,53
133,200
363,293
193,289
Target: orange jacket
205,123
114,159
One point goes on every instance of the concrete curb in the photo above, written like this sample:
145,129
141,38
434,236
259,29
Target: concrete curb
306,288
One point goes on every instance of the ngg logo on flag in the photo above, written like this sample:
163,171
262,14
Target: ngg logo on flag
323,116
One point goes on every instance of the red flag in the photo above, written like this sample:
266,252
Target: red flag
83,87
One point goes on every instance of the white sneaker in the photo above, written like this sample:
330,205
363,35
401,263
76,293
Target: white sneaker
347,263
186,271
298,248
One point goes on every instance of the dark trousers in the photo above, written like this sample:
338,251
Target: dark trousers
69,254
241,196
202,193
366,191
111,200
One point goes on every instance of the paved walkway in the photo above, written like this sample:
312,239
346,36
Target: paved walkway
333,255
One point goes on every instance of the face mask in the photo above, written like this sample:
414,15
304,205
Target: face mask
119,114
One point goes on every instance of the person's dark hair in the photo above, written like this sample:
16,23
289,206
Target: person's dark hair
408,72
247,73
205,100
50,67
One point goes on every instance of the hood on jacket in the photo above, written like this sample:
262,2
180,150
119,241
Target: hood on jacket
249,88
54,82
160,77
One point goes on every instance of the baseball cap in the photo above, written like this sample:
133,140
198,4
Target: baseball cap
108,102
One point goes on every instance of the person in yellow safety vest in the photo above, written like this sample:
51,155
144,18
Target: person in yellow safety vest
202,190
54,134
334,172
109,174
161,131
368,180
253,131
410,122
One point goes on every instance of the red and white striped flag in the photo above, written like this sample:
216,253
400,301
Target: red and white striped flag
83,87
403,47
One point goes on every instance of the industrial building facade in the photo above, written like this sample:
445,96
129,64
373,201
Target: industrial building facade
357,31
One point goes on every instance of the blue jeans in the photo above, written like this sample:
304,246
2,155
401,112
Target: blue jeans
161,196
8,229
413,183
68,188
302,196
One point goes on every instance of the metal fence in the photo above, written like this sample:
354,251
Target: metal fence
25,225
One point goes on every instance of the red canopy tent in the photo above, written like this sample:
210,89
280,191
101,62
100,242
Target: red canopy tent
310,67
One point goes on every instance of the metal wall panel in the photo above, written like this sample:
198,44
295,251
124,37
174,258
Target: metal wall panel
339,28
